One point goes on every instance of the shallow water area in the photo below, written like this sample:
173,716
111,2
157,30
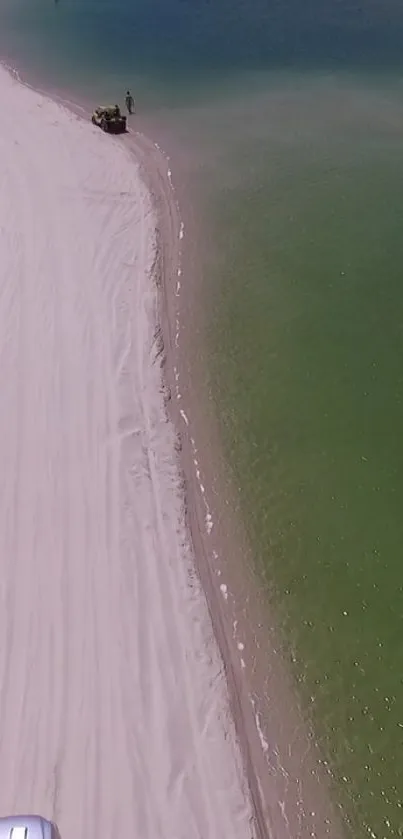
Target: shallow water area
307,328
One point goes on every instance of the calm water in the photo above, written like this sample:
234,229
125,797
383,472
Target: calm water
292,121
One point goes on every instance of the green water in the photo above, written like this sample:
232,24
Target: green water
308,338
291,143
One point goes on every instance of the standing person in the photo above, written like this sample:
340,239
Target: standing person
129,102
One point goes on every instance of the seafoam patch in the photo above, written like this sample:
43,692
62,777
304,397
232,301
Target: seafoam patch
209,523
262,738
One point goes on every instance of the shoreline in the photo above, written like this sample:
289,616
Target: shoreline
283,798
312,810
249,641
240,673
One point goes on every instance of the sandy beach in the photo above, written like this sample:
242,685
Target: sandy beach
113,701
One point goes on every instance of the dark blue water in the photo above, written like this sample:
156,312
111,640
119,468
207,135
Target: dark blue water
164,39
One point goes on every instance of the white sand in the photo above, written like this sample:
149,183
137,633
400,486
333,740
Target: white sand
113,707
